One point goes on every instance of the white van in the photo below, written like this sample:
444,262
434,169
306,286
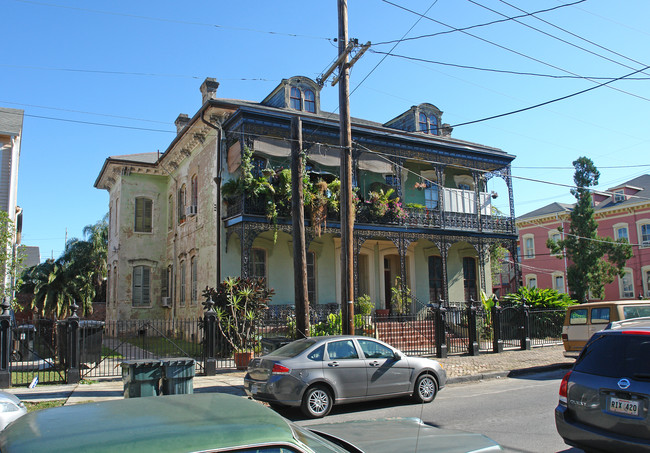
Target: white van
582,321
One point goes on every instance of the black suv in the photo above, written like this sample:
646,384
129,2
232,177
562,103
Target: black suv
605,398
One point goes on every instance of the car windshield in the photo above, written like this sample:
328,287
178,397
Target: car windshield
293,349
616,356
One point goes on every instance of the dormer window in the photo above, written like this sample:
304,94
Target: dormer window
296,99
619,196
310,101
428,124
302,100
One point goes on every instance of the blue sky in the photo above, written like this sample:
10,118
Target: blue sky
99,79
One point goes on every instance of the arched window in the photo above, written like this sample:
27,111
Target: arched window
295,99
428,123
433,125
423,123
310,101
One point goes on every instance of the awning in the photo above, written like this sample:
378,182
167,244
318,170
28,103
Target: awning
324,155
374,163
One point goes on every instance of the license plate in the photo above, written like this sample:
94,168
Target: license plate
621,406
254,389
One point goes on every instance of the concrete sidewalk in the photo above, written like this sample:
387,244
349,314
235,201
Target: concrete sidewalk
462,368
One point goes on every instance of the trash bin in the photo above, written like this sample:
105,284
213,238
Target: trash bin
272,343
178,376
25,335
141,377
90,334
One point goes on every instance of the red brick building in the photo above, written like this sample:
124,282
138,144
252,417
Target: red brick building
622,212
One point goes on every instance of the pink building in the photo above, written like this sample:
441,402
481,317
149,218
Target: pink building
622,212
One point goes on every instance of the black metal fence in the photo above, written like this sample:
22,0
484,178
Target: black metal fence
74,349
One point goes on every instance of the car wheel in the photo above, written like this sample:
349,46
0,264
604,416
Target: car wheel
426,389
317,402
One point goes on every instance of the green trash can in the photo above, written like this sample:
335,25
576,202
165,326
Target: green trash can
141,377
178,376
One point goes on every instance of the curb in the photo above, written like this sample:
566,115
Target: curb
507,374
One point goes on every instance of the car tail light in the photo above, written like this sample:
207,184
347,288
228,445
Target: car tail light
565,337
280,369
564,385
636,332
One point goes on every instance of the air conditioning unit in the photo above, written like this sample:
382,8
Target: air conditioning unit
190,210
645,244
167,302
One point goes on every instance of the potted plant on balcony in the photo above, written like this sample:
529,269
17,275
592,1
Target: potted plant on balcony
239,304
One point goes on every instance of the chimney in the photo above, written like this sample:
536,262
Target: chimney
181,122
209,89
446,129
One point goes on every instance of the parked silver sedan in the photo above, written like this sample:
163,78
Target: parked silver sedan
316,373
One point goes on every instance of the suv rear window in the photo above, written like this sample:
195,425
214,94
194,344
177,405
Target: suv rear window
636,311
615,355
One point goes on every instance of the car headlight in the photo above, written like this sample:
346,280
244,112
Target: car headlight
6,406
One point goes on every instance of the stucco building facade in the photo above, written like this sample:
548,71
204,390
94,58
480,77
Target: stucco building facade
174,229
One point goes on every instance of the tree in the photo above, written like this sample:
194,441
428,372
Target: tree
595,260
10,257
77,275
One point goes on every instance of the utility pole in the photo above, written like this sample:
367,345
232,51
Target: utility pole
298,232
347,208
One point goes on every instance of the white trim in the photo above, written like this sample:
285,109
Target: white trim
639,225
530,277
621,288
525,251
556,274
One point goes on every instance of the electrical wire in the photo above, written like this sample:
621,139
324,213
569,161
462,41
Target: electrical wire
502,71
454,30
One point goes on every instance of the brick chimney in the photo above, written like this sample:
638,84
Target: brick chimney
181,122
209,89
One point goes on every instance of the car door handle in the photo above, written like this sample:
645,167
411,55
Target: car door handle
375,363
333,364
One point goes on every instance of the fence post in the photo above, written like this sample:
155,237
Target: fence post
472,346
525,327
73,372
210,337
441,330
5,345
497,334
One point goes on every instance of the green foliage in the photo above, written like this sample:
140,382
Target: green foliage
333,326
364,305
239,304
400,301
595,260
497,255
539,298
10,261
77,275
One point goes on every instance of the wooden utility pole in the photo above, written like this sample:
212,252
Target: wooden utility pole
298,232
347,208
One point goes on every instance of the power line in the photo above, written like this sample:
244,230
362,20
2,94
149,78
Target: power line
100,124
551,101
501,71
506,48
454,30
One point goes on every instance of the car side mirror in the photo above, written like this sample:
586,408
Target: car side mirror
397,355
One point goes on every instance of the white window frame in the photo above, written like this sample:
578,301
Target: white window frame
528,253
645,275
619,196
551,235
554,276
621,227
639,229
621,284
530,277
